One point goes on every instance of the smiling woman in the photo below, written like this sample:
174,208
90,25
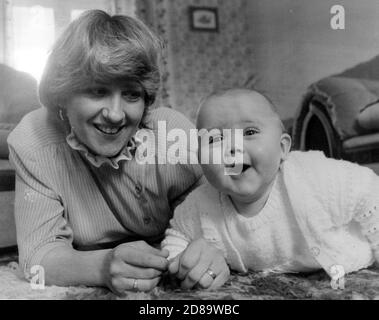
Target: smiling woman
104,118
112,91
79,187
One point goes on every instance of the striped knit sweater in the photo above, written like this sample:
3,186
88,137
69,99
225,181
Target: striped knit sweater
58,202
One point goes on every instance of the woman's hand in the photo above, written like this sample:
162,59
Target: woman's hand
200,264
134,266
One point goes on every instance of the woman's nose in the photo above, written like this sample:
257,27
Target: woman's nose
114,113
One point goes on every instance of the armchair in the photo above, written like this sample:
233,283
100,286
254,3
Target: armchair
335,115
18,96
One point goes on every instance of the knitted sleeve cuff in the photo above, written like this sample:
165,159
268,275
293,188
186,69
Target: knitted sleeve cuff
368,218
175,242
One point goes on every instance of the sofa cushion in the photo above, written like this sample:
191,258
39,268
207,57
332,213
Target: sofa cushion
367,142
344,99
7,221
371,85
368,118
5,128
7,194
7,176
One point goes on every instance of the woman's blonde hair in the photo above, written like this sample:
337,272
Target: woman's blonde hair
98,48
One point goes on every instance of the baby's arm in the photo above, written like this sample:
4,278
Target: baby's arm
184,227
369,221
175,242
193,260
366,210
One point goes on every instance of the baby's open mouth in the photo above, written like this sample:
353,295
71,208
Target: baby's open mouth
245,167
109,130
234,166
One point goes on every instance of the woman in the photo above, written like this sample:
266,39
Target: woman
85,209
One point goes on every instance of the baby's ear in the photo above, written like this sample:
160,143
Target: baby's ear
285,145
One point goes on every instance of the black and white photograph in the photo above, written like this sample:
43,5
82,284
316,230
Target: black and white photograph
218,151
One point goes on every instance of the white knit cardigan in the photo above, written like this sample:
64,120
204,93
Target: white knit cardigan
327,196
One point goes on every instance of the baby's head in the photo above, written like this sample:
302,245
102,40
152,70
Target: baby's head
265,144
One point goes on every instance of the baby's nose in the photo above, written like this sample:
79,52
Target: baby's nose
233,155
233,161
233,150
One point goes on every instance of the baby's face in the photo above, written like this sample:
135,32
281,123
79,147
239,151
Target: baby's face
264,144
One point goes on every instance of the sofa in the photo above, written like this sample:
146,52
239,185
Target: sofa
18,96
339,114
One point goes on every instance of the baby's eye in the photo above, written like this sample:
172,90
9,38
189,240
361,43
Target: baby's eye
250,132
214,139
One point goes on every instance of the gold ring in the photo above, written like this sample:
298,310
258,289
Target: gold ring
135,285
211,273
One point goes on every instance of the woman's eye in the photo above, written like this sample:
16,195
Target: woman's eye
250,132
98,92
132,95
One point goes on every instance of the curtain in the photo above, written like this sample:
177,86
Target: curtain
31,27
31,32
155,13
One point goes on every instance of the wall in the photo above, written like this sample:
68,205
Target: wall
287,44
294,44
201,62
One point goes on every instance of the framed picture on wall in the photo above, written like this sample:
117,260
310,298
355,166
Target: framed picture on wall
203,19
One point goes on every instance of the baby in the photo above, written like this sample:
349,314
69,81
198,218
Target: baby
284,211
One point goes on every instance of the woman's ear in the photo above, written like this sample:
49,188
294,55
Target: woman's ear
285,145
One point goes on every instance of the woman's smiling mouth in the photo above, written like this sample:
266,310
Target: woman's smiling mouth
109,130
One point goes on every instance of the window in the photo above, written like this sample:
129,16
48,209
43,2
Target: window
31,26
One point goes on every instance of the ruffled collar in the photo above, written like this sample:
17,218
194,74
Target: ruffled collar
98,160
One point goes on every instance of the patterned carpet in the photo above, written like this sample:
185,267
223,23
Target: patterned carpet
362,285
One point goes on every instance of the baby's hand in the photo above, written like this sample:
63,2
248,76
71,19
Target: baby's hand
200,264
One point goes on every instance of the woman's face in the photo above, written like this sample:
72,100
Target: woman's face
105,117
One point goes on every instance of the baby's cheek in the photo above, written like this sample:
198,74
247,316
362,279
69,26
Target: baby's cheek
269,157
211,153
213,172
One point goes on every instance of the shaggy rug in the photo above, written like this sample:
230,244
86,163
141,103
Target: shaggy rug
362,285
